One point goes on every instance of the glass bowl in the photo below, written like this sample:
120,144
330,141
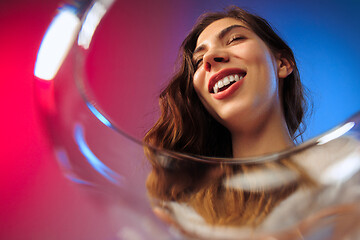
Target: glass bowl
98,75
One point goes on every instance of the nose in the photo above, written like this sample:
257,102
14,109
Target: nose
215,58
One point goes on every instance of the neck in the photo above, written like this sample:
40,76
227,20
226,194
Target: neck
268,136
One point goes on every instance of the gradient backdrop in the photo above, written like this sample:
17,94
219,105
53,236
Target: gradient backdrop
36,202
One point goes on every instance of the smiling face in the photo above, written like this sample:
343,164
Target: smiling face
236,76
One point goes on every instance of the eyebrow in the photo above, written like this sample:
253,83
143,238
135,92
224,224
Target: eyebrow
220,35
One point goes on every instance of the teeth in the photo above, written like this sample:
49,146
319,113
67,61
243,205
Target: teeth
226,81
232,78
216,88
237,78
221,83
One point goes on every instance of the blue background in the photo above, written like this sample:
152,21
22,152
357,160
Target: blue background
325,37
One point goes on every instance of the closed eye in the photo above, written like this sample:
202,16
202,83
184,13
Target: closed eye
235,38
197,63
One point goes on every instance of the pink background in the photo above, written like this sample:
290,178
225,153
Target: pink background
36,202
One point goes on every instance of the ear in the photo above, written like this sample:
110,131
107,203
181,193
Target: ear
285,67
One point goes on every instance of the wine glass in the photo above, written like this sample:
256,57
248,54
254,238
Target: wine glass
97,87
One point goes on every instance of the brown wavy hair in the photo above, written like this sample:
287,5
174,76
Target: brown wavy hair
186,126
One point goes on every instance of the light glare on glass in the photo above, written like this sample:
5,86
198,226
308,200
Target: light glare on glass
56,44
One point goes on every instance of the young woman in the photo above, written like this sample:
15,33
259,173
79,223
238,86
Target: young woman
238,94
256,115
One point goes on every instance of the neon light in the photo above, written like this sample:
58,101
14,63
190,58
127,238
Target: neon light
93,160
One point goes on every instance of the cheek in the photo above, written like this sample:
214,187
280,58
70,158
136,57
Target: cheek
258,53
262,59
199,82
201,90
272,72
267,69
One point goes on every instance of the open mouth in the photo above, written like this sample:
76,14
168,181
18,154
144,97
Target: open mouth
226,82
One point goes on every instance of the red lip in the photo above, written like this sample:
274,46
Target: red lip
221,74
230,90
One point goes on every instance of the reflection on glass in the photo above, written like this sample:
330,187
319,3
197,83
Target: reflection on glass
92,19
189,185
294,197
56,43
92,159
